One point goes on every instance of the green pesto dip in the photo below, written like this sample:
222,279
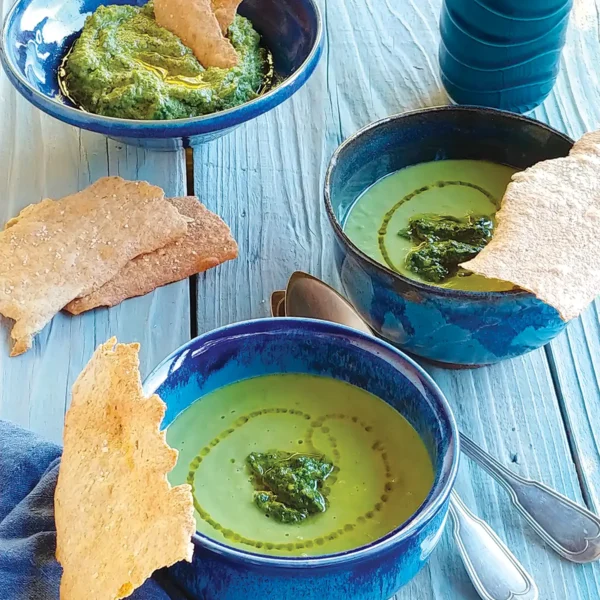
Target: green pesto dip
289,485
125,65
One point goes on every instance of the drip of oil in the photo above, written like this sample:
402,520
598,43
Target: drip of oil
317,424
62,82
270,78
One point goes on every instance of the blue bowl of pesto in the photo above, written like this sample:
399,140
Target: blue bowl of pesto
320,460
111,69
411,197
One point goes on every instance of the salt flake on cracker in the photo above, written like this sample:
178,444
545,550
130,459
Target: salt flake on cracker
207,244
58,250
547,237
195,23
117,517
225,11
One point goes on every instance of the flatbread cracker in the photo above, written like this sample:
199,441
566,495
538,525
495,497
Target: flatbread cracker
195,23
547,239
58,250
225,11
207,244
117,517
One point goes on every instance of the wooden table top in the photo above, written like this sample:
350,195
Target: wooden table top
536,414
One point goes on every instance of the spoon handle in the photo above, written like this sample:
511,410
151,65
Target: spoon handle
569,529
495,573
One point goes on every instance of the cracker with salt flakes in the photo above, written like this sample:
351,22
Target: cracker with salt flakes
207,244
195,23
117,517
225,11
547,237
58,250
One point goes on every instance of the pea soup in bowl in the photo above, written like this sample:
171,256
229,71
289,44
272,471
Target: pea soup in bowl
320,459
412,197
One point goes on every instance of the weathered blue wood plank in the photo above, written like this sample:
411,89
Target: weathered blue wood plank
575,355
40,157
266,180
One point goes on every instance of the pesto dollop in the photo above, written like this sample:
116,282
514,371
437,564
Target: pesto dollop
444,242
289,484
125,65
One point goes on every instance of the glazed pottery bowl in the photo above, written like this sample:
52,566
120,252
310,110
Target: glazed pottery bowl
38,33
453,327
268,346
532,9
536,70
484,22
480,51
521,98
495,59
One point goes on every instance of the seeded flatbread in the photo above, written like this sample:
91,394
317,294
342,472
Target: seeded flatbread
547,237
225,11
195,23
207,244
117,517
58,250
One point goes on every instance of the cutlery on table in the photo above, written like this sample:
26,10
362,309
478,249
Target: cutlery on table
568,528
494,571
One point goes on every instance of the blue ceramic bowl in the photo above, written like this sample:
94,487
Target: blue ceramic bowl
485,23
499,60
534,71
485,52
452,327
38,33
265,346
531,9
521,98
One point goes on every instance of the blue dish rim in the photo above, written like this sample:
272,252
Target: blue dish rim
339,231
505,16
150,128
497,69
539,83
430,506
559,24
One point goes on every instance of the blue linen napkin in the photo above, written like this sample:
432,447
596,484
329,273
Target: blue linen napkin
28,569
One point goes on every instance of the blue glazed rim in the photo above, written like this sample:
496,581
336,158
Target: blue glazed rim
348,243
569,3
444,478
539,83
560,24
497,69
173,128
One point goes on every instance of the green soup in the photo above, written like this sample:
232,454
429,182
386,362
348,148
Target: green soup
458,190
381,472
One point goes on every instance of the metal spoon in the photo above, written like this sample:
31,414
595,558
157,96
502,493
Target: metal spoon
494,571
569,529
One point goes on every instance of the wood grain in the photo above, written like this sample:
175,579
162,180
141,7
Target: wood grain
41,157
265,180
574,356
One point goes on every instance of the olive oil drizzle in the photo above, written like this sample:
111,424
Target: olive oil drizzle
270,78
62,80
388,215
318,424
